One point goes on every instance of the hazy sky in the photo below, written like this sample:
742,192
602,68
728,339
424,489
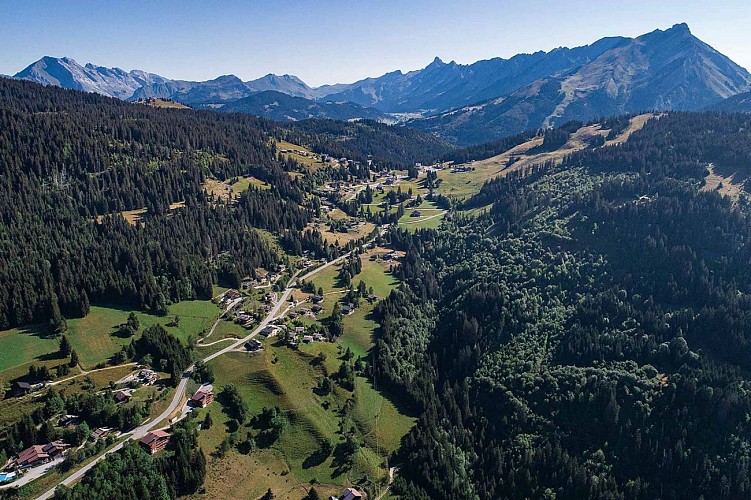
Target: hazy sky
329,41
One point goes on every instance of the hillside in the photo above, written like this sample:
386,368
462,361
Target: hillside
587,334
154,163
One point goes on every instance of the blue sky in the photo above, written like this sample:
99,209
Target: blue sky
329,41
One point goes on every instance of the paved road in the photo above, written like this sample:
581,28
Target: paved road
135,434
229,307
141,431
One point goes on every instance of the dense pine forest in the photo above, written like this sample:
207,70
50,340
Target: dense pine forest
588,335
72,162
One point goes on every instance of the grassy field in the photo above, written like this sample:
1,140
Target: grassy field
286,378
93,337
430,216
245,182
306,161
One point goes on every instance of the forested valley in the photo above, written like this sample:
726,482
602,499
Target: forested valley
578,328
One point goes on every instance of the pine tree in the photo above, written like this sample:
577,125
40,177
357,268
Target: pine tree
73,358
65,347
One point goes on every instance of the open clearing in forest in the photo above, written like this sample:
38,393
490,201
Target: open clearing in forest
466,184
94,336
723,185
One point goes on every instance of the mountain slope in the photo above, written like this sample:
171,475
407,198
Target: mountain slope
442,86
67,73
221,90
587,337
669,69
282,107
739,103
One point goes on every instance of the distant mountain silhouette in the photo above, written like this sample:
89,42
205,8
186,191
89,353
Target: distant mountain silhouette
467,104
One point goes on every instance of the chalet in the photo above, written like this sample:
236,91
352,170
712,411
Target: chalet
203,397
232,295
33,455
317,337
253,345
155,441
100,433
348,308
293,314
246,283
39,454
372,297
21,388
316,308
317,299
304,310
270,330
307,339
351,494
243,317
122,396
55,448
69,421
415,213
299,330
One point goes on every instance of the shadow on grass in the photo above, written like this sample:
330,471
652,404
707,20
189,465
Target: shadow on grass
315,459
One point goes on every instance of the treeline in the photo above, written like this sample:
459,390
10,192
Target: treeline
388,146
489,149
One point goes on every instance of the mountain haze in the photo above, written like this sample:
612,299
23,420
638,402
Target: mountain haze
282,107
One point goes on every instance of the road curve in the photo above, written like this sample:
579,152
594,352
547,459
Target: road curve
135,434
144,429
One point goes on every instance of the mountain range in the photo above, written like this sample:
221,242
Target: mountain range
466,104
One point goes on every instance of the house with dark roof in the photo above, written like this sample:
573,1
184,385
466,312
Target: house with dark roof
122,396
351,494
21,388
39,454
100,433
33,455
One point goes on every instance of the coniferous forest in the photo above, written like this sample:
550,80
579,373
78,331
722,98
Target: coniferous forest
588,335
72,162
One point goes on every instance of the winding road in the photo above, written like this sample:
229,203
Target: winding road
144,429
